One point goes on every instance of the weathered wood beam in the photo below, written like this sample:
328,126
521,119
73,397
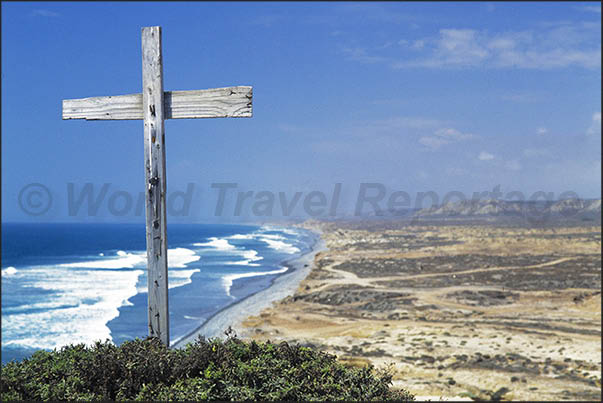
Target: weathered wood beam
155,189
229,102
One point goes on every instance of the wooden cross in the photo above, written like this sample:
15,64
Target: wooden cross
154,106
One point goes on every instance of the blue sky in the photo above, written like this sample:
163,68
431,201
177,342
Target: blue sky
415,96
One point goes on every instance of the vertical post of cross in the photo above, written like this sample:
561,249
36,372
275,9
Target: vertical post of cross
155,189
154,106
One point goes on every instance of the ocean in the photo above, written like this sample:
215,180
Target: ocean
79,283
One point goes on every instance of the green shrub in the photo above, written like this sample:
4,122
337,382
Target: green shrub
204,370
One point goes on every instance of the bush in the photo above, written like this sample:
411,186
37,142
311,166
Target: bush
204,370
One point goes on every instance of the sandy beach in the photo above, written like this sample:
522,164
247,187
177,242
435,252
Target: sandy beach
456,311
283,286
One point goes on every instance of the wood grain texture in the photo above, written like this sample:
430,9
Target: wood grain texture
229,102
155,193
120,107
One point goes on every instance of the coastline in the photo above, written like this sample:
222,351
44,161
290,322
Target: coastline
282,286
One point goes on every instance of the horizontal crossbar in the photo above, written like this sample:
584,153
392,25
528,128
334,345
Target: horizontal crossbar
229,102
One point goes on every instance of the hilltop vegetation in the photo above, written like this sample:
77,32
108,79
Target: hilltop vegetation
204,370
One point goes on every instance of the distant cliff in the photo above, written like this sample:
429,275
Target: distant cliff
576,208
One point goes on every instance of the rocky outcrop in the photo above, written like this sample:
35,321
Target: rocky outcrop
495,207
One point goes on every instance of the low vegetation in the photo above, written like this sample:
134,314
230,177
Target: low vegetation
205,370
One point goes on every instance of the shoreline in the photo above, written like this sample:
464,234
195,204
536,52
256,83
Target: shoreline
282,286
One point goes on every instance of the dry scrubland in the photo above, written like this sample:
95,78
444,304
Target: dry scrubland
461,310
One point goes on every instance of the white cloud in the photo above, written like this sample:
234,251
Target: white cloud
512,165
485,156
542,131
595,126
414,45
459,46
362,55
444,136
45,13
558,46
501,44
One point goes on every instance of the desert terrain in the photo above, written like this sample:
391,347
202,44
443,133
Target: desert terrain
456,311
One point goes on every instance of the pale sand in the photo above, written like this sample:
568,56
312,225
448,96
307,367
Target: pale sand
233,315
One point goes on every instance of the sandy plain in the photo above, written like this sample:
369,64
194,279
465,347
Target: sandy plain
456,311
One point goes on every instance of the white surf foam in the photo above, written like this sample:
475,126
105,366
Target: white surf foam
84,301
284,230
229,278
123,260
271,236
242,263
38,306
9,271
217,243
241,236
180,257
249,256
221,244
274,241
177,257
279,245
178,278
